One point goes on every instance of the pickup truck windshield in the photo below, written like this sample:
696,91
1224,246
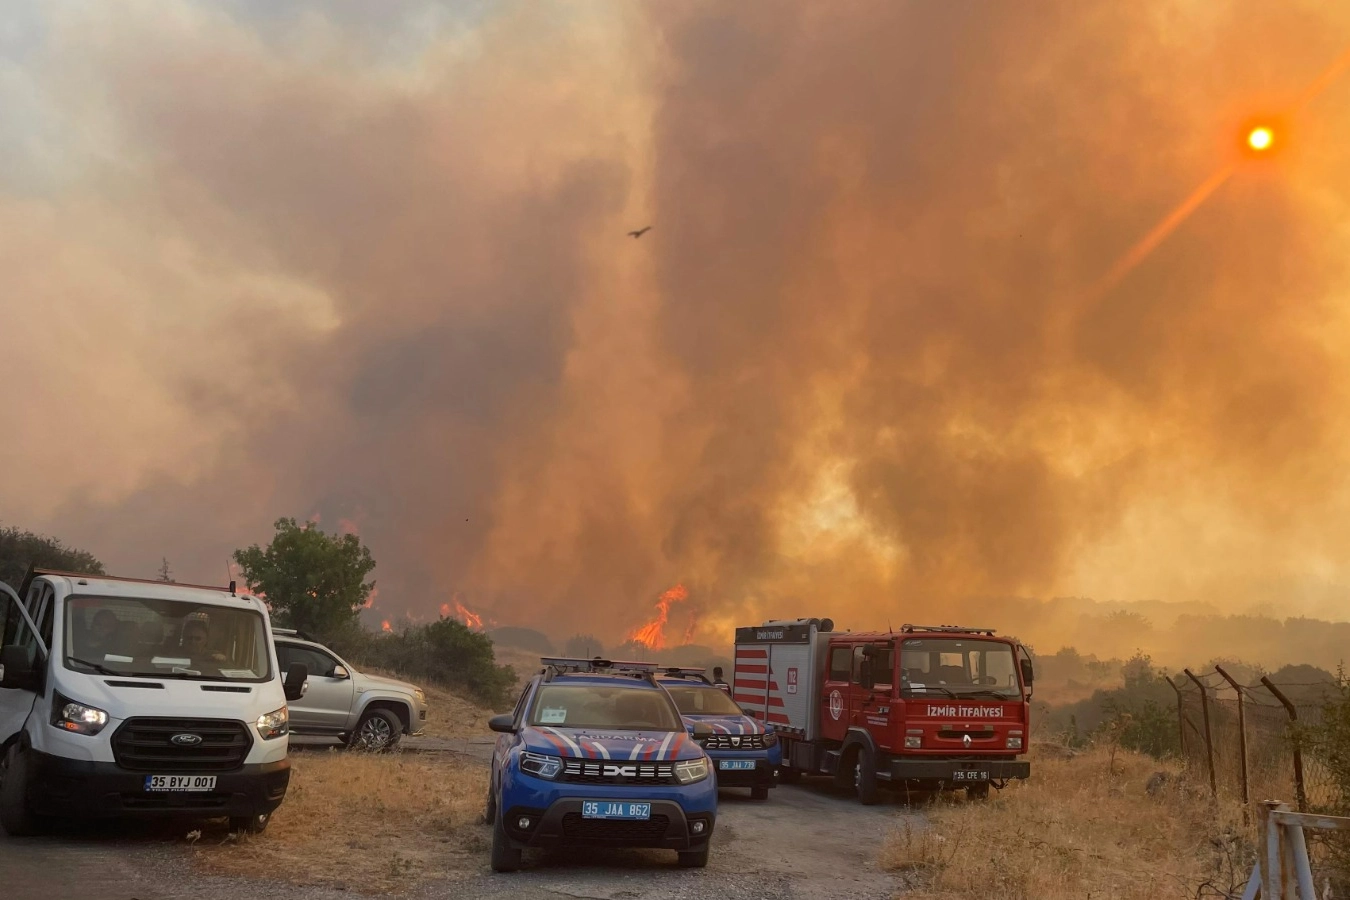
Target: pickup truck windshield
165,639
594,706
958,667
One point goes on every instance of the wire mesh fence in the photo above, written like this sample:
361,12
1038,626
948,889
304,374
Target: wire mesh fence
1260,741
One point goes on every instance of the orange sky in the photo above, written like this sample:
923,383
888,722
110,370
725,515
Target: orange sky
878,351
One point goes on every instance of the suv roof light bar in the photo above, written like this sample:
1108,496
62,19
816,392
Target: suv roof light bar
949,629
557,665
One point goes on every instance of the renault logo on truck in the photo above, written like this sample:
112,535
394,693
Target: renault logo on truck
186,740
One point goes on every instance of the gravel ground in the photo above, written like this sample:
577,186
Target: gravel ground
807,841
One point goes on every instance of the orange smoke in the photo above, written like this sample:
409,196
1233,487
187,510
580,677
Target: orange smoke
347,526
385,626
653,634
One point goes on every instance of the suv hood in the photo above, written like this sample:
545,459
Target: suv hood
730,724
385,684
598,743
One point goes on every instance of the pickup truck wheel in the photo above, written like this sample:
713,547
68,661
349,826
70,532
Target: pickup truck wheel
505,858
865,777
16,817
378,730
250,824
694,859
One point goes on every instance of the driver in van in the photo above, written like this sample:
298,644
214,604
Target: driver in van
102,638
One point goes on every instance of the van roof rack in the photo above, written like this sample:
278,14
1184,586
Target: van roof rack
948,629
559,665
33,572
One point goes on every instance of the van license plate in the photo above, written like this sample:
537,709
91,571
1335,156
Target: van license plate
604,809
735,765
970,775
180,782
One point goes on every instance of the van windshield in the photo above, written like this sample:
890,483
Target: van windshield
958,667
165,639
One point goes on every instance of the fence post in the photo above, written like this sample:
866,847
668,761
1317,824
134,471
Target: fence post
1181,718
1242,736
1270,853
1209,741
1295,740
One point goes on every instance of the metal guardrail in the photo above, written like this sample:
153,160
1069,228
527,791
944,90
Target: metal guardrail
1283,871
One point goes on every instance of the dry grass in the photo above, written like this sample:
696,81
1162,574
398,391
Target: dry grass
1079,827
372,824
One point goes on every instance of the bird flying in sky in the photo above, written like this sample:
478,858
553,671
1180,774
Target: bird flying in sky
640,232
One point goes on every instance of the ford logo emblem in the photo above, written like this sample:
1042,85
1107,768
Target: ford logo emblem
186,740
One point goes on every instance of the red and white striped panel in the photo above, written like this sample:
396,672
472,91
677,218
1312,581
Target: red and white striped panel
749,686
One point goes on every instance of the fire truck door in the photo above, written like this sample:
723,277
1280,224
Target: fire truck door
872,686
835,713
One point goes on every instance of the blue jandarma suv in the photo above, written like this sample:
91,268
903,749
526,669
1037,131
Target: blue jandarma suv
744,752
596,753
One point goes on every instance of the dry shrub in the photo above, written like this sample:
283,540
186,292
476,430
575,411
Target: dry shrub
449,714
1079,827
369,823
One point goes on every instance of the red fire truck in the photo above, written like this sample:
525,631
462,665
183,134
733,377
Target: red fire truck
928,707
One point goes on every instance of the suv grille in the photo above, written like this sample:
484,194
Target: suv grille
145,745
734,742
576,828
617,772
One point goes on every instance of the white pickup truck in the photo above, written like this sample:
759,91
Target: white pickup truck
367,712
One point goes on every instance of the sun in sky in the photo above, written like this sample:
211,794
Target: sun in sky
1260,138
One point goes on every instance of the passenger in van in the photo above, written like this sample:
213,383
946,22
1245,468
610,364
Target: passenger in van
196,636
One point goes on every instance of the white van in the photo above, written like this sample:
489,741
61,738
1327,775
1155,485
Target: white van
121,697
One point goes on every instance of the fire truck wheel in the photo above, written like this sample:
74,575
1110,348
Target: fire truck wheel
759,792
865,777
977,791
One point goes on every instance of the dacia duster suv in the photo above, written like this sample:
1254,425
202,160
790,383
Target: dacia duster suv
744,752
596,753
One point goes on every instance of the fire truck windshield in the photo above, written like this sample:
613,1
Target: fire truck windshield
958,666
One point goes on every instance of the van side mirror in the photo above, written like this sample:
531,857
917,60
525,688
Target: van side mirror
504,724
1027,674
16,670
296,683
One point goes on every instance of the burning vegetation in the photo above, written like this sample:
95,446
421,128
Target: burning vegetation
653,634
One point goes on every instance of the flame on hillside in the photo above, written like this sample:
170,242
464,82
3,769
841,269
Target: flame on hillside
370,598
653,634
459,611
385,626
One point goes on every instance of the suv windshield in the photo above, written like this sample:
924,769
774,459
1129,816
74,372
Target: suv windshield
703,701
165,639
599,706
958,666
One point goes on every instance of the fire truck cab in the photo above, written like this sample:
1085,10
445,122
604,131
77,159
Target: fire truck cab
928,707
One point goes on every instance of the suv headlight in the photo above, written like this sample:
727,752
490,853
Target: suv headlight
770,738
540,766
69,715
692,770
274,724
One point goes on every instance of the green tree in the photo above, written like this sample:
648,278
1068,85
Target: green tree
313,581
21,549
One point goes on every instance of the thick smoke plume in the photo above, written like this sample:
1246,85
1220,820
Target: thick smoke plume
310,262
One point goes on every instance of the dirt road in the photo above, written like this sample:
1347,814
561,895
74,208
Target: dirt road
805,842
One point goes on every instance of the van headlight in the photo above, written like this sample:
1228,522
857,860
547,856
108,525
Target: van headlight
691,771
540,766
68,715
274,724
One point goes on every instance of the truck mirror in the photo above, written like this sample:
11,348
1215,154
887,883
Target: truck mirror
1027,674
16,669
505,723
702,729
340,672
865,675
296,683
